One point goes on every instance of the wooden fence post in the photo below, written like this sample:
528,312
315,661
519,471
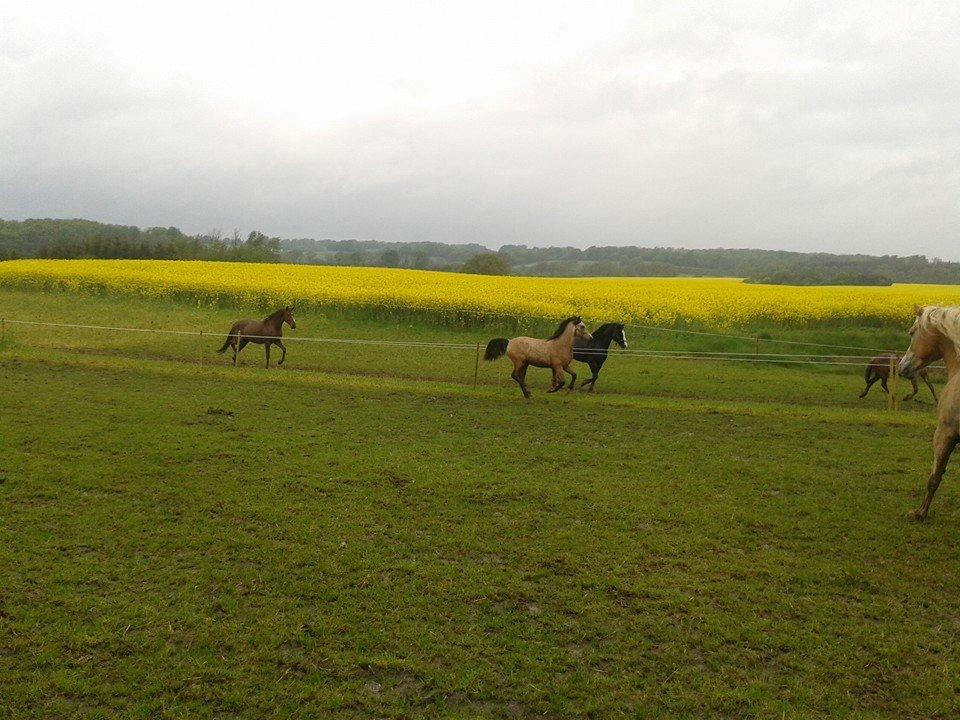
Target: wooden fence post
476,366
758,345
201,349
892,399
3,331
895,369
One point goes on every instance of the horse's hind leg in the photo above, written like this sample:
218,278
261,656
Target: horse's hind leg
883,384
944,441
870,383
519,374
266,350
558,380
913,382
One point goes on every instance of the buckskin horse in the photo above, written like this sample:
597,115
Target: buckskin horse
556,352
935,334
264,332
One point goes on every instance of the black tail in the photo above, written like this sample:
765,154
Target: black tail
495,348
226,343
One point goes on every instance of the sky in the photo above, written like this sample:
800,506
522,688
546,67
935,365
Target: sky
813,126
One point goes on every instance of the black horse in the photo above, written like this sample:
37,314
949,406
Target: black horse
594,352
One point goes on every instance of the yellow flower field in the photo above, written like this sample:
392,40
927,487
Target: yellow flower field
712,303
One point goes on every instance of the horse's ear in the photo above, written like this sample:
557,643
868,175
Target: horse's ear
918,310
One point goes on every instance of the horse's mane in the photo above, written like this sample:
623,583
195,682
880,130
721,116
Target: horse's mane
945,320
607,327
563,326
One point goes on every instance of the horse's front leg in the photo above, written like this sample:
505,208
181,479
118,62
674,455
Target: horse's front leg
283,349
944,441
926,379
573,378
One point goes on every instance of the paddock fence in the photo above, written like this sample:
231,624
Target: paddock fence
462,360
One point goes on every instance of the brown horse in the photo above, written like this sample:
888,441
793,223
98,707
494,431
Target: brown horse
264,332
555,352
935,334
879,369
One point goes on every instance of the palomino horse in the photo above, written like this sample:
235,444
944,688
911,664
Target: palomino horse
935,334
879,369
264,332
555,352
594,352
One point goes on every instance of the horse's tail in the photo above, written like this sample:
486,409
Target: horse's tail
495,348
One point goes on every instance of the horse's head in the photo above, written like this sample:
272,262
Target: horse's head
620,337
579,329
288,317
924,344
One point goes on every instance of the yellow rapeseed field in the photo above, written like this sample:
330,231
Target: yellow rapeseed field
712,303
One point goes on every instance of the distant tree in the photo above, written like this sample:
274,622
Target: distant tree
357,258
486,264
256,239
390,258
421,260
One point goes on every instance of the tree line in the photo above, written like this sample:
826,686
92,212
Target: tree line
71,239
86,238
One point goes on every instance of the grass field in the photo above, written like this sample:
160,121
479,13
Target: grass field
367,534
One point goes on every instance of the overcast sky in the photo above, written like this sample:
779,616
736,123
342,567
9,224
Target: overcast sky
829,126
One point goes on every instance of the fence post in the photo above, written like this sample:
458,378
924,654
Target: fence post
758,345
3,332
201,349
891,375
476,365
895,375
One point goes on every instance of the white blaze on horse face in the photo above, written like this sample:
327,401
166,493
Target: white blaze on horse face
904,368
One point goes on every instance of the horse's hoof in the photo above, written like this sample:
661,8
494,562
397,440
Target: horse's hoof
916,515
